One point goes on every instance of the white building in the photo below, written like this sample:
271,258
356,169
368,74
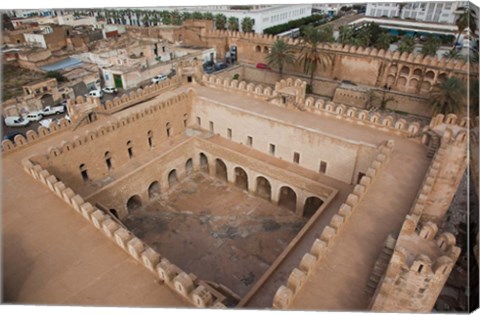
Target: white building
330,9
264,16
439,12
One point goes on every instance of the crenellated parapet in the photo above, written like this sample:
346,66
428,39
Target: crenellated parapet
187,285
318,252
249,88
419,267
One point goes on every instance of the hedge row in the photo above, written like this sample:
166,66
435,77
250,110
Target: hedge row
277,29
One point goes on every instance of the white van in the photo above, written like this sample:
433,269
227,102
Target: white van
95,93
34,116
15,121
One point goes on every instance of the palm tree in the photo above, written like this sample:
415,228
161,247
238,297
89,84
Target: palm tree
383,41
281,54
466,19
247,25
232,23
166,17
175,18
208,16
447,96
430,46
310,55
220,21
345,36
197,15
452,54
406,44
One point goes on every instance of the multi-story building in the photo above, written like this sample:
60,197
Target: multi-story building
440,12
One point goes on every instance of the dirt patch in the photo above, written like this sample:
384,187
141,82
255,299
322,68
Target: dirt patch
14,78
215,230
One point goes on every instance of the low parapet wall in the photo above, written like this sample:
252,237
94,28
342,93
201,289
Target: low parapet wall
318,252
33,136
187,286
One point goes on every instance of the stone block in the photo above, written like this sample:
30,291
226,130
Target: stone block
36,171
77,202
135,247
352,200
109,227
42,175
59,187
371,172
201,296
308,263
166,270
359,190
283,297
51,180
318,249
86,210
376,165
27,166
345,210
328,234
296,279
366,180
150,258
218,304
337,221
97,218
382,158
67,195
122,236
183,284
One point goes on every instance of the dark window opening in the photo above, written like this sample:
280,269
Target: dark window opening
229,133
360,175
296,157
249,141
272,149
323,167
211,127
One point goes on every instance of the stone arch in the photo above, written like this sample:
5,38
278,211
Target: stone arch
134,203
390,80
168,129
108,159
417,72
442,77
241,178
150,138
402,81
154,190
172,178
258,48
263,189
405,70
413,83
84,172
287,198
393,69
311,206
189,166
430,75
426,86
265,49
204,163
221,170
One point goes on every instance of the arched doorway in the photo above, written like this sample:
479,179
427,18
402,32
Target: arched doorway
154,190
288,198
172,178
311,206
203,163
264,189
241,178
189,167
220,170
134,203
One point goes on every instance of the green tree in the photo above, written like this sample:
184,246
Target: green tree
280,54
345,35
208,16
326,34
466,19
220,21
155,20
166,18
406,44
146,20
311,56
448,96
383,41
186,16
430,46
247,25
232,23
197,15
175,17
452,54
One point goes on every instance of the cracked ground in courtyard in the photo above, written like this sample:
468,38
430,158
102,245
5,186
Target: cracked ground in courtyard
215,230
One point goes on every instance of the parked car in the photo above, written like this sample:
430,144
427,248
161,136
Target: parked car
49,110
67,117
10,136
46,122
15,121
158,78
34,116
110,90
220,66
263,66
209,67
95,93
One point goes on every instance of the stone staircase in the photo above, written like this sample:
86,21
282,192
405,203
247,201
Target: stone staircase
433,144
381,264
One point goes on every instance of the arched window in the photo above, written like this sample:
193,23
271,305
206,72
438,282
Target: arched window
150,138
172,178
288,198
220,169
83,171
130,149
134,203
108,160
264,189
169,129
241,178
203,163
154,190
185,120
